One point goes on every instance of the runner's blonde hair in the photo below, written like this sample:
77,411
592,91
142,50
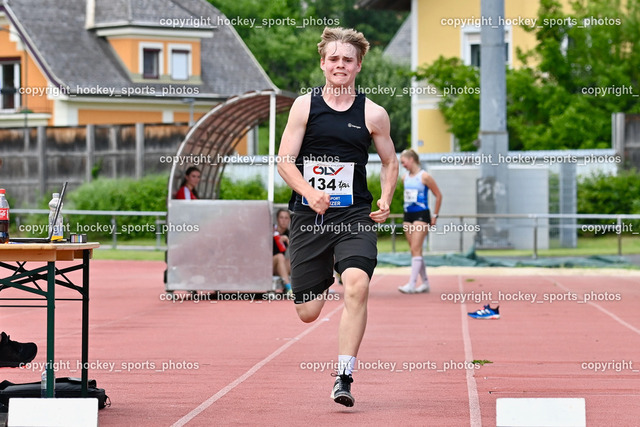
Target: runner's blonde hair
410,154
344,35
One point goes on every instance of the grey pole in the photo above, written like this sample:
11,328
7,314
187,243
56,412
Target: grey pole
494,140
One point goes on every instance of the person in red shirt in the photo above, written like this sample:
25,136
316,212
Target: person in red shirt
187,190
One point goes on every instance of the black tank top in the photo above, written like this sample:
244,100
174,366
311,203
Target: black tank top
336,136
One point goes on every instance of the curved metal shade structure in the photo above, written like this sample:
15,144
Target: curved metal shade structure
216,135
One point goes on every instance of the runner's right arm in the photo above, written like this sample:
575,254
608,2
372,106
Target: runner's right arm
290,148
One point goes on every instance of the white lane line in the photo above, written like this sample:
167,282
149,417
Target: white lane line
475,417
210,401
602,309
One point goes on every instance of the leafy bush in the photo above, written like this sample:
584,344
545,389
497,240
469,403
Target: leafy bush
607,194
124,194
252,189
564,93
255,189
149,194
373,183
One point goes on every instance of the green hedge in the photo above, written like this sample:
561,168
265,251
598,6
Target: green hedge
599,193
373,183
252,189
147,194
124,194
608,194
255,189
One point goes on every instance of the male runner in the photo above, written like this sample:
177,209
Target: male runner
328,134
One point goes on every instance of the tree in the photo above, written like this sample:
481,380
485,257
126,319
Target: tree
379,26
602,193
284,40
461,112
384,82
286,32
585,67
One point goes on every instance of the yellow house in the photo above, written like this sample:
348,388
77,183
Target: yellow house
72,63
450,29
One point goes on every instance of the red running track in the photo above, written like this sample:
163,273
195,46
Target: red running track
212,362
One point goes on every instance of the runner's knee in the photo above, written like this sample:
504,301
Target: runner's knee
310,311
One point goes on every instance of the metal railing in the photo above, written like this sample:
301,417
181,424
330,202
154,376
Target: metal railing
394,219
535,224
159,222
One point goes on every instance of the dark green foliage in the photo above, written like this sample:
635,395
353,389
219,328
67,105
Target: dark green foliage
125,194
373,182
96,169
255,189
462,112
552,103
379,74
285,35
285,45
379,26
252,189
606,194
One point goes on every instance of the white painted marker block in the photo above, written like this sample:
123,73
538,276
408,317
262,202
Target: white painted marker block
540,412
63,412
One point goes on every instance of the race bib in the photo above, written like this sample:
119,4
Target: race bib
411,195
335,179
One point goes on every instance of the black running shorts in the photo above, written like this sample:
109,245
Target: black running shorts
341,238
424,216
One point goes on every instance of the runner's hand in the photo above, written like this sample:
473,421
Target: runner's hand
318,201
381,214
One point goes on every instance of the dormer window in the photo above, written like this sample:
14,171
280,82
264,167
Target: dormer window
180,64
151,63
151,60
163,61
9,84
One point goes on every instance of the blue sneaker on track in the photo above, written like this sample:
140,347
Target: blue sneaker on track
486,313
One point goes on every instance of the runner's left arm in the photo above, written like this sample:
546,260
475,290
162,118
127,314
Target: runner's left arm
428,180
380,127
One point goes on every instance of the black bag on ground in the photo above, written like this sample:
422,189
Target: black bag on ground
65,387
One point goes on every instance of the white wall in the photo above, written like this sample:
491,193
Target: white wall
528,194
458,187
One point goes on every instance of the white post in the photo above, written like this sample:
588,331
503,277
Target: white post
272,146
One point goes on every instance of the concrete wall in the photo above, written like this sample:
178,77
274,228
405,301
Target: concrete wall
458,187
528,194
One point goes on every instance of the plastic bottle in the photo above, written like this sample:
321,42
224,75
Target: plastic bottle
43,384
4,217
58,227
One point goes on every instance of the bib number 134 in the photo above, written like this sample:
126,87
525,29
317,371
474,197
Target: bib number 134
335,179
322,184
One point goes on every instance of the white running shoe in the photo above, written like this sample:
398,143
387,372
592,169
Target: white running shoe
407,289
423,289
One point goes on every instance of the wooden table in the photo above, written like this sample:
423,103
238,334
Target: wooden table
15,256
